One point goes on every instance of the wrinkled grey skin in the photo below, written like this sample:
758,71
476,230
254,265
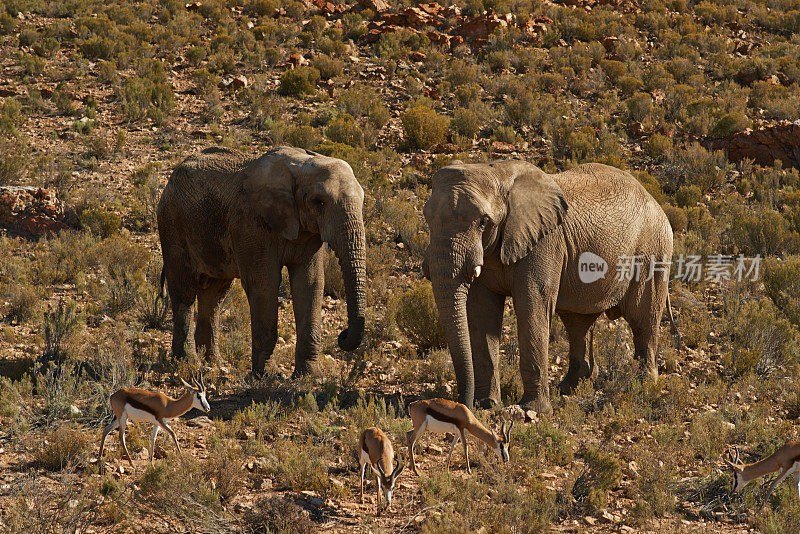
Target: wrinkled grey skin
525,230
222,216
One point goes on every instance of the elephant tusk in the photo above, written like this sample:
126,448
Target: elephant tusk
477,271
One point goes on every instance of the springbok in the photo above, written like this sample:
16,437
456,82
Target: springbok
375,449
442,415
784,461
131,404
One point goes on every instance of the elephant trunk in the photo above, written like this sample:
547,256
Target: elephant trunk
350,250
451,301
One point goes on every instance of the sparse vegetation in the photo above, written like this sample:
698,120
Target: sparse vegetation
101,100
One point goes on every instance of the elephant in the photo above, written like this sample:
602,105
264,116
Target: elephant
507,228
223,216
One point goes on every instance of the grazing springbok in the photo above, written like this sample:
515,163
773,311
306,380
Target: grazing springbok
442,415
375,449
784,461
131,404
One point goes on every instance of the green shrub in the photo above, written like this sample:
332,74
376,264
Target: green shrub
415,314
601,474
423,127
782,284
101,221
141,97
694,318
688,196
731,123
24,303
298,82
12,160
303,136
613,69
677,218
344,129
707,169
465,123
763,340
62,448
58,324
766,233
327,66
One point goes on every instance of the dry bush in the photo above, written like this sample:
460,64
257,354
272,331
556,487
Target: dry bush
178,488
415,314
224,469
65,447
278,515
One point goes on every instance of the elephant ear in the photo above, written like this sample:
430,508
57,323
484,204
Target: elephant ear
269,187
536,206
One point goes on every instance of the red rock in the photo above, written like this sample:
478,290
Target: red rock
417,56
610,43
235,82
444,148
193,6
779,142
500,147
298,60
32,212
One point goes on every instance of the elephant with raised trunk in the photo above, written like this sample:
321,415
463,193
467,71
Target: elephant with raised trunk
509,229
223,216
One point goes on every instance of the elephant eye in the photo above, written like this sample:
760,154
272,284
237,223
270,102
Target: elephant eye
484,222
318,203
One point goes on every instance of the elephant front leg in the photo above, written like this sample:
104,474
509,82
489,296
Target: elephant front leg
182,300
307,280
533,324
262,295
485,320
207,329
577,326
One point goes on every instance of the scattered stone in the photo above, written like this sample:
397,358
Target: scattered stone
32,212
514,412
200,422
531,416
235,82
378,6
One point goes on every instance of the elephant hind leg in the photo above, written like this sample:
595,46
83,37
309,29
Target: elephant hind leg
578,326
207,329
642,311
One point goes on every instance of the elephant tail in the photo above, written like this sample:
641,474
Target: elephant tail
162,290
673,325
